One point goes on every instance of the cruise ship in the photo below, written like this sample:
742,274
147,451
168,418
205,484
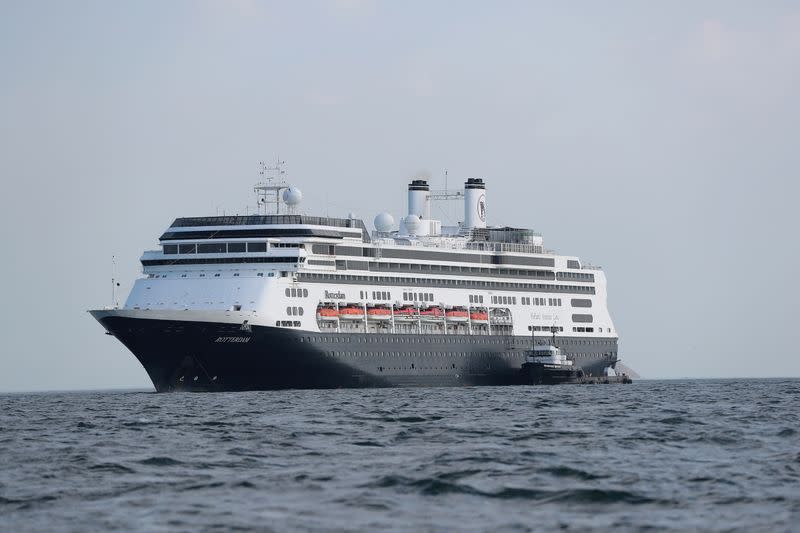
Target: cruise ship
280,299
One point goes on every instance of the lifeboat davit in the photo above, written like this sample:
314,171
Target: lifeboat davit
379,313
431,313
457,315
351,312
327,313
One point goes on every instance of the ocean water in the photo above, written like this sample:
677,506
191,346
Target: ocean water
713,455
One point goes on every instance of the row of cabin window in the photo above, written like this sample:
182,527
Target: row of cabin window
294,311
476,298
235,275
412,339
296,293
588,329
202,275
497,285
382,266
332,353
417,339
418,296
376,295
288,323
576,275
552,302
215,248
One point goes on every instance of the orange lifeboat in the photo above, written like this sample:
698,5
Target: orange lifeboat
351,312
457,314
379,313
405,313
327,313
431,313
479,316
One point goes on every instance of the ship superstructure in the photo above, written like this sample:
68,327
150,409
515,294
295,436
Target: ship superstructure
288,300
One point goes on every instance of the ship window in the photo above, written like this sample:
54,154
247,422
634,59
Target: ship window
288,310
211,248
170,248
187,248
256,247
287,291
294,293
305,293
216,275
236,247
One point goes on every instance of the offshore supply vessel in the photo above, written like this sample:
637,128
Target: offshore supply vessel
281,299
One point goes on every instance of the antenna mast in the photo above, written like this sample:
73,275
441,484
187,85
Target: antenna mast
268,190
114,283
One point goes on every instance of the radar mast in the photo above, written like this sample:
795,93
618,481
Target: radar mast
268,190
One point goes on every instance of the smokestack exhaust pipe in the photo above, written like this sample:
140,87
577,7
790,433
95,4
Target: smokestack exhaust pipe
474,203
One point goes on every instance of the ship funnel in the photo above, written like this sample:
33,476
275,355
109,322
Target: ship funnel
474,203
419,200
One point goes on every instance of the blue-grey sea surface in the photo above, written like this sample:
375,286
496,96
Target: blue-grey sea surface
713,455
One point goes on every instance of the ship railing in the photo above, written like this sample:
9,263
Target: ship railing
506,247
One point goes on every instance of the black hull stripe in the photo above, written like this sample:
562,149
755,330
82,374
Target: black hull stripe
180,355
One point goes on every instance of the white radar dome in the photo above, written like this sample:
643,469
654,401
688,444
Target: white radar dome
412,223
292,196
384,222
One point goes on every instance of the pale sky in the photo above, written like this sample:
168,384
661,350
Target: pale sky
657,139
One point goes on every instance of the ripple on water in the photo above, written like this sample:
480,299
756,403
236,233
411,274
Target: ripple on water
160,461
688,455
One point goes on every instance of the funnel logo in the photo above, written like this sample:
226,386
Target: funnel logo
482,208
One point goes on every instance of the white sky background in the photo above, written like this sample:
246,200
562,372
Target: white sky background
659,140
